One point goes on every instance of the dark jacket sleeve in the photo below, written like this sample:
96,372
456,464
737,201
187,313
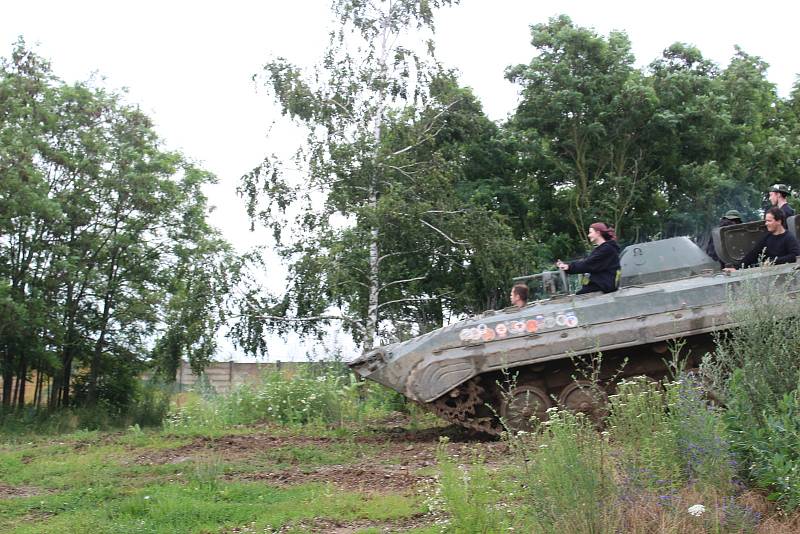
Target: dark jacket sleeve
751,258
595,261
791,249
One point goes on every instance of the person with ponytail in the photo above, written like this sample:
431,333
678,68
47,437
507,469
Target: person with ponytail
601,268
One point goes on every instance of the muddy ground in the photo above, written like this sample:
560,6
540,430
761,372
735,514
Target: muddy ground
394,459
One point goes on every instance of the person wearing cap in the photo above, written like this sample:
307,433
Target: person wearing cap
601,266
730,217
778,246
777,197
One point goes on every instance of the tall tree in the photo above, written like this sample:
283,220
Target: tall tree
584,112
95,217
368,109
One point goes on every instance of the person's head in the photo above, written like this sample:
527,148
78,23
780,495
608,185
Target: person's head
778,194
519,295
731,217
774,218
600,233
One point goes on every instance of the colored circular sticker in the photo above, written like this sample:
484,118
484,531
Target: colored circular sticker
517,327
561,320
488,334
501,330
531,326
572,321
550,322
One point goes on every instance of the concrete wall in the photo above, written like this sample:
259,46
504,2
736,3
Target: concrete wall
223,376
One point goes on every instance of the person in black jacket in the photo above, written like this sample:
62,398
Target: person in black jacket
602,264
778,246
777,197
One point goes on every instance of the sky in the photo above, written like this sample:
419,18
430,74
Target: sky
189,65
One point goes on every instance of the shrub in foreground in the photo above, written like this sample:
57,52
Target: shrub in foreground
663,454
756,372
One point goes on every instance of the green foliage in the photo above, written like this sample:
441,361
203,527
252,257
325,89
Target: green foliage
664,450
700,435
663,152
569,478
670,436
756,371
395,150
765,347
328,398
771,449
638,422
104,243
146,405
469,494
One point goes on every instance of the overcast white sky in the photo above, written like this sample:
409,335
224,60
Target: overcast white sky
189,64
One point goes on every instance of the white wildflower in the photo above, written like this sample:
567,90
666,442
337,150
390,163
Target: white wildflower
697,510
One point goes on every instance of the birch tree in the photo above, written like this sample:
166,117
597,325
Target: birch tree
373,82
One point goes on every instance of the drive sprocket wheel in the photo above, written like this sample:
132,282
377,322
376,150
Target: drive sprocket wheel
460,406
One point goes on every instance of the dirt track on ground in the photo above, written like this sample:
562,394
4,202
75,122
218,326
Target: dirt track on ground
397,459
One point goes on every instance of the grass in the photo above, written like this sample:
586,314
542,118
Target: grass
197,506
100,485
200,472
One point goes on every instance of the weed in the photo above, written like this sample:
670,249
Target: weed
570,479
469,494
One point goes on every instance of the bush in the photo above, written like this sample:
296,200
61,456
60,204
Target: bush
670,436
767,444
569,476
765,347
469,494
325,397
147,405
756,371
639,427
700,435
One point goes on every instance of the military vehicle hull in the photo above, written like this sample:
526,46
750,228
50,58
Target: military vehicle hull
518,362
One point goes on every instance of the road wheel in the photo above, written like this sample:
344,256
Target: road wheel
520,405
585,397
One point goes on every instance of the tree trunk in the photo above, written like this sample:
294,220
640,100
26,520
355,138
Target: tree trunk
8,377
94,370
65,380
37,390
371,336
21,381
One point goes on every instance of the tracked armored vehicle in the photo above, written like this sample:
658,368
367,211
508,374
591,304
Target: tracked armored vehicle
518,362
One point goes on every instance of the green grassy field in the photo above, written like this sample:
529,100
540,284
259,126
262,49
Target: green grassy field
251,479
394,474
